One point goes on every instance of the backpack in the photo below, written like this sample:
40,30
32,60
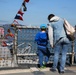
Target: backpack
69,29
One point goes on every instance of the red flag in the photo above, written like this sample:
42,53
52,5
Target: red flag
26,1
20,12
15,22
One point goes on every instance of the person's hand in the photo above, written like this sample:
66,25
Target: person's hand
52,46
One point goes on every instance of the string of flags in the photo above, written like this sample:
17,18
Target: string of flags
19,16
20,13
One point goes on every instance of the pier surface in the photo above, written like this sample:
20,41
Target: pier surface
71,70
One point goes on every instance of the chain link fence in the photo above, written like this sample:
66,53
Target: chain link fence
25,49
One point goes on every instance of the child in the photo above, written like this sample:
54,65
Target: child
42,41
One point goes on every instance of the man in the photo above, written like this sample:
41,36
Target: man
75,32
61,42
10,37
42,41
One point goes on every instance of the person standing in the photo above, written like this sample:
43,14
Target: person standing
10,37
61,42
75,32
75,42
42,40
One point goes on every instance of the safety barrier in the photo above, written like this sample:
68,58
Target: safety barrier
25,49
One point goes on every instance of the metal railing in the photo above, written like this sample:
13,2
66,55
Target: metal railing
25,48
